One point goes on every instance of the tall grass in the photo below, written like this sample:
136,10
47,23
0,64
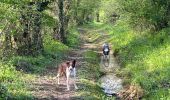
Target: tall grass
145,59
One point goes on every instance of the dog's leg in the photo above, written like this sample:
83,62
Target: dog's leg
75,84
67,76
107,58
68,86
58,78
103,58
74,70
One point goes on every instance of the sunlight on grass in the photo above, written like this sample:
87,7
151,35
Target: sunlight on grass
16,82
74,40
144,58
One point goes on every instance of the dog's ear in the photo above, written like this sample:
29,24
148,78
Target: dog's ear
74,61
68,62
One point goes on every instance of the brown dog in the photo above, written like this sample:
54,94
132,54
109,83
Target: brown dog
67,69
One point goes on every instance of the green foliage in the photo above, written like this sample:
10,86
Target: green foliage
17,72
13,83
3,91
89,6
33,65
108,8
84,11
53,46
48,20
73,39
13,1
153,14
28,67
8,12
144,58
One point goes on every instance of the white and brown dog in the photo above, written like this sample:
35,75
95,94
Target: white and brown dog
67,69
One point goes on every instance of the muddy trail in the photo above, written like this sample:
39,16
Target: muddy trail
109,82
45,86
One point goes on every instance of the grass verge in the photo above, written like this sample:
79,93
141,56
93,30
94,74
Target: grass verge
144,58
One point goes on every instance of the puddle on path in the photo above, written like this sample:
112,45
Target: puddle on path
110,83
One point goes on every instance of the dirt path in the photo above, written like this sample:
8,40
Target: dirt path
110,83
45,87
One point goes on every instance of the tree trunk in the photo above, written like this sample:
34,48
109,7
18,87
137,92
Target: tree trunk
64,10
76,11
61,20
37,37
98,17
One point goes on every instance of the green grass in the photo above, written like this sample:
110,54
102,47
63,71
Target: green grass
92,36
15,84
91,56
145,59
89,74
96,26
18,82
73,39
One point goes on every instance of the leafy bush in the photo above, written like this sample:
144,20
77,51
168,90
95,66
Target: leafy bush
3,92
13,84
73,39
146,14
